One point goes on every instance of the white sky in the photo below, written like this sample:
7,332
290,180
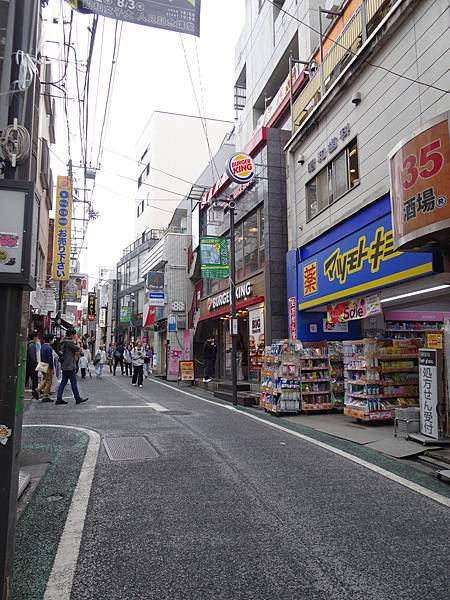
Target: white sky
151,75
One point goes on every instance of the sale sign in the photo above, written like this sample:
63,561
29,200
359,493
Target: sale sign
351,310
420,172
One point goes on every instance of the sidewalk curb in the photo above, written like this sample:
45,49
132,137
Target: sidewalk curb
59,585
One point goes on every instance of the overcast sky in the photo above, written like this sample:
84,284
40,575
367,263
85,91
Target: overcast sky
151,75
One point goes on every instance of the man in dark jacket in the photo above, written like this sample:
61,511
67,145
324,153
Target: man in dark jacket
118,358
209,358
32,361
47,357
70,349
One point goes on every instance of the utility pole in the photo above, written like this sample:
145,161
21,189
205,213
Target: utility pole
233,320
25,33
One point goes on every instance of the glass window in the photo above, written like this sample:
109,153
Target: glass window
333,181
134,271
239,249
251,244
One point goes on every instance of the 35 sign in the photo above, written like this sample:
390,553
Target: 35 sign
420,172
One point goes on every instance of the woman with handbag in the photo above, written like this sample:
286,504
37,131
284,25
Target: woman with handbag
45,366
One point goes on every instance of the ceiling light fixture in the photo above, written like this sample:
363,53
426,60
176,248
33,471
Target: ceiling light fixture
425,291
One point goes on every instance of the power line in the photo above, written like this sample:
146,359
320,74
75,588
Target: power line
367,62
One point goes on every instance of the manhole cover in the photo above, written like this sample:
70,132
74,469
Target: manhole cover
129,448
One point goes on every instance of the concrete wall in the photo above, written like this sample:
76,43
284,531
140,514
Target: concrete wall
392,107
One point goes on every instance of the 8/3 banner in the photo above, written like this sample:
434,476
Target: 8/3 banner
182,16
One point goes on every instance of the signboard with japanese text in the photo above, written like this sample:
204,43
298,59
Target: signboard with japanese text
354,309
102,317
214,258
62,231
156,298
187,370
429,392
125,314
363,260
420,172
182,16
292,318
91,306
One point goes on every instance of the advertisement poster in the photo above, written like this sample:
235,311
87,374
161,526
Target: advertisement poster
420,172
428,393
75,287
154,281
182,16
174,363
187,370
351,310
125,314
62,232
214,258
256,338
335,327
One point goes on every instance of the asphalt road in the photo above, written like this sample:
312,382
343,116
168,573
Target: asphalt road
229,508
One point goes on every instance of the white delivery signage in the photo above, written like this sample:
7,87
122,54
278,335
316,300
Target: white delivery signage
429,392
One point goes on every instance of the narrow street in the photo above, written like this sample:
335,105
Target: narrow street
227,507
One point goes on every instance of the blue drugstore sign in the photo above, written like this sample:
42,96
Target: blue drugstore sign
361,261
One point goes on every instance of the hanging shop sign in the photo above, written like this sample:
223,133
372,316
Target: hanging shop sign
429,390
362,260
19,219
352,310
125,314
102,317
75,287
435,340
420,172
156,298
182,16
187,370
62,231
243,290
240,168
292,318
91,306
154,281
214,258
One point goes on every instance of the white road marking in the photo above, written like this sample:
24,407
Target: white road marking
157,407
59,586
415,487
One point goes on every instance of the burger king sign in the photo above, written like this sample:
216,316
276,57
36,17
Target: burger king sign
240,168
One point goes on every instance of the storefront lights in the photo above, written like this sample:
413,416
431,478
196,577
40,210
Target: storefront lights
425,291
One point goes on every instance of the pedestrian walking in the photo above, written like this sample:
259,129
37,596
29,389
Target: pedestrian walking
209,359
127,360
137,356
87,353
83,363
32,361
118,358
147,360
110,356
100,360
70,349
45,387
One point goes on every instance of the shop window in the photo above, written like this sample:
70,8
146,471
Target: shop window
251,244
332,182
239,249
261,237
133,271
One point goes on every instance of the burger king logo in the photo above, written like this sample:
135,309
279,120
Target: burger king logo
240,168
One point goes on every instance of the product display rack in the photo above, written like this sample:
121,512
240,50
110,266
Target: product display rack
412,329
380,375
336,356
280,378
315,377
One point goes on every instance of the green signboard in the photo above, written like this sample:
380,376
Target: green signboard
125,314
214,258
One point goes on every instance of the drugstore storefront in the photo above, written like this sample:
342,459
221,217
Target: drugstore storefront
354,269
215,319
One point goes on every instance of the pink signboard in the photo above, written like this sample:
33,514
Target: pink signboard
174,359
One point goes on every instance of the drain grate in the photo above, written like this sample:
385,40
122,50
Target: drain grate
129,448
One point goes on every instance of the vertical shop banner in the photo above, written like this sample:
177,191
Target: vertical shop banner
91,306
293,318
173,368
214,258
182,16
102,317
362,260
62,231
420,172
428,392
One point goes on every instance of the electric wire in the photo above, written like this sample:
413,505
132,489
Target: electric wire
367,62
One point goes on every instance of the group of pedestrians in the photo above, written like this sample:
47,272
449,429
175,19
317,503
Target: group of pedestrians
134,360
